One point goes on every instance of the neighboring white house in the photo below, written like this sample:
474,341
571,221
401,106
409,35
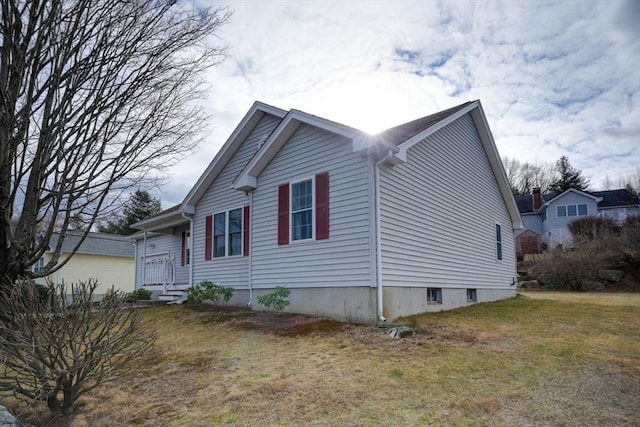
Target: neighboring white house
358,227
549,215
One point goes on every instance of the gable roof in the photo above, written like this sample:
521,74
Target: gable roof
392,143
257,111
396,140
96,244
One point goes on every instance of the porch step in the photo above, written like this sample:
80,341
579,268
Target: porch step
171,296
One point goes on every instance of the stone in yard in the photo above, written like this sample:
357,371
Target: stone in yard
610,275
401,332
529,284
551,281
590,285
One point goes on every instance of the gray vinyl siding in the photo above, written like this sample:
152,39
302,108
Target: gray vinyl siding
438,215
220,197
341,260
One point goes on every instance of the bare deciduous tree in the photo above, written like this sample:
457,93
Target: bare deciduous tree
54,348
524,177
95,96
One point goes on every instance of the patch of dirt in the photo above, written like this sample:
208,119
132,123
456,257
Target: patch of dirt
434,335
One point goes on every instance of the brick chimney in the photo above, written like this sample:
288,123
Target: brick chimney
537,198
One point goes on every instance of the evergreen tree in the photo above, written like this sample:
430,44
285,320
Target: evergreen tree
140,205
569,177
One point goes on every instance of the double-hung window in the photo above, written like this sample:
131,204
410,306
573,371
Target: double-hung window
302,210
227,234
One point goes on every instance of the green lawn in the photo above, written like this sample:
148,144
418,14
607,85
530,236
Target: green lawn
537,359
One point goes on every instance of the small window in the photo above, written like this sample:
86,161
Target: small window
187,246
582,210
472,295
38,266
434,296
219,232
302,210
562,211
498,242
572,210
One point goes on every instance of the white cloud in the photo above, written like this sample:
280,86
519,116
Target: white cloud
555,78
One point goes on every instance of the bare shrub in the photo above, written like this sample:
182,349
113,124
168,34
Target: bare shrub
591,228
628,244
57,347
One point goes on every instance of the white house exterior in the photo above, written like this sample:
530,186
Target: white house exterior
358,227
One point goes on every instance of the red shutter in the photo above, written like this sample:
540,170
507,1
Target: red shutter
184,249
322,206
283,214
208,238
245,231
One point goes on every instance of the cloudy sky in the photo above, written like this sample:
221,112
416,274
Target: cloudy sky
555,78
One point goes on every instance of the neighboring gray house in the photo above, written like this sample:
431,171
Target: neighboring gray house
548,215
358,227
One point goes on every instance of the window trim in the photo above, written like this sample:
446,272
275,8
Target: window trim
227,235
438,296
313,210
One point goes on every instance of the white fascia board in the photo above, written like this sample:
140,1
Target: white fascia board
246,125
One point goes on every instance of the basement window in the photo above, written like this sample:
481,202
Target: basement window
472,295
434,296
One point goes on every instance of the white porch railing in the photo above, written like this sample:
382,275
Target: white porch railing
159,270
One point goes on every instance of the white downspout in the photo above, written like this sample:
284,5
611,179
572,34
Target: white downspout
250,249
190,219
379,237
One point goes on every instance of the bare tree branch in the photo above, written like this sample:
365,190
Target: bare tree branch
95,96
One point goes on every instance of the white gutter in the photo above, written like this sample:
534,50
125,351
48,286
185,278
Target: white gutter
250,249
191,257
379,236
